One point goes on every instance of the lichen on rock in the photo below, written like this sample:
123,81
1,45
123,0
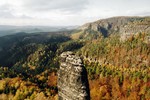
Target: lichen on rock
72,78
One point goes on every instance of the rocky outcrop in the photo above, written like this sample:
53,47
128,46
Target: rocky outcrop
125,26
72,78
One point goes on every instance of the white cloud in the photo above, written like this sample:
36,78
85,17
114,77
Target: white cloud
67,12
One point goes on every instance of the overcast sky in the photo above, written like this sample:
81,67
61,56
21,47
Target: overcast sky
67,12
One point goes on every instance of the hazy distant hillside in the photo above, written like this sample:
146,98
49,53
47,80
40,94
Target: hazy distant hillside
105,27
7,30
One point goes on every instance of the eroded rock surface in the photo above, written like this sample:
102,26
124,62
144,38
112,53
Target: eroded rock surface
72,78
124,26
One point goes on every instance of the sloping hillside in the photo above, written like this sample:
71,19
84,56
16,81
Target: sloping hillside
106,27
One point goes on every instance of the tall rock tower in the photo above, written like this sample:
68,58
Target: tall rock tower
72,78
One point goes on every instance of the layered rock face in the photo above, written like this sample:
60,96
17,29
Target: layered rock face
72,78
125,26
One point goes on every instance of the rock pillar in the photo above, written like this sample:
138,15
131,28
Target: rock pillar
72,78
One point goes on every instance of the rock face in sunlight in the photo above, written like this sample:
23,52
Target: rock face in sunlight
72,78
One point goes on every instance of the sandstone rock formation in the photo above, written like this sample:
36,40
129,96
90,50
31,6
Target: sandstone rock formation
125,26
72,78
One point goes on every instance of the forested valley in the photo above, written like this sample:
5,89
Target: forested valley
117,69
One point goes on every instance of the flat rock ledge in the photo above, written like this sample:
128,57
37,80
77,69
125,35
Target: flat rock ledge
72,78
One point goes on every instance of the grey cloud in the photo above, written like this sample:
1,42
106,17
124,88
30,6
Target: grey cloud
6,11
4,7
47,5
6,15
